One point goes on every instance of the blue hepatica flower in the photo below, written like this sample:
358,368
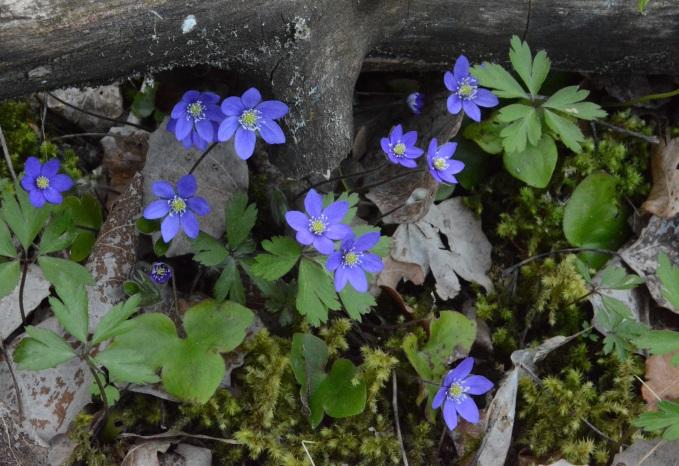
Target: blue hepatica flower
43,183
179,209
454,393
246,116
161,273
319,227
400,148
466,93
415,102
195,119
441,164
353,260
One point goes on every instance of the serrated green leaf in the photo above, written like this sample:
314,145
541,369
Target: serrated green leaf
61,272
240,219
665,420
615,277
308,357
112,393
217,326
24,220
499,80
583,269
42,349
71,309
126,366
660,342
567,131
522,60
595,217
7,248
668,274
316,293
356,304
516,135
486,134
208,250
58,235
642,4
113,322
192,374
541,67
535,164
338,394
9,277
565,97
283,254
153,336
513,112
229,284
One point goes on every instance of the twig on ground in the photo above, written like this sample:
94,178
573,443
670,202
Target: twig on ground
15,382
394,402
97,115
174,434
304,442
650,452
618,129
202,157
8,159
518,265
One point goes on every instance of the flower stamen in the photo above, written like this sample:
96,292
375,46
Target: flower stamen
467,88
318,225
351,258
42,182
399,149
195,111
249,119
456,390
177,206
440,163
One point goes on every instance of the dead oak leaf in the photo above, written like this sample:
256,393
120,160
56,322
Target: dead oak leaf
663,200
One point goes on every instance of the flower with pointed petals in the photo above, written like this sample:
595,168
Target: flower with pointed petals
454,393
248,115
178,209
353,260
400,148
319,227
194,119
415,102
161,273
43,183
466,93
441,164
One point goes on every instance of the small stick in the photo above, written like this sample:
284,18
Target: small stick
8,159
389,180
396,421
22,285
650,452
79,135
518,265
304,442
202,157
618,129
17,388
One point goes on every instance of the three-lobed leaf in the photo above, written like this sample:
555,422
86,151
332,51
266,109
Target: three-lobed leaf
308,357
9,277
665,420
316,293
533,72
668,274
71,309
499,80
660,342
25,220
283,254
240,219
217,326
209,251
567,131
615,277
229,284
126,366
42,349
7,248
115,322
356,304
62,272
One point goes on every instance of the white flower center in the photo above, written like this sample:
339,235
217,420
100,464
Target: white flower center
249,119
42,182
456,390
195,111
399,149
351,258
467,88
177,206
440,163
318,225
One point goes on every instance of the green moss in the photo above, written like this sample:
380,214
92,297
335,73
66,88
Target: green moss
87,451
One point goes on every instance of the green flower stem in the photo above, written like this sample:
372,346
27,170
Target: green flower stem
97,379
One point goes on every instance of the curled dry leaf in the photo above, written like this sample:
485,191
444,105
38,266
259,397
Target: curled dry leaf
662,380
465,252
663,200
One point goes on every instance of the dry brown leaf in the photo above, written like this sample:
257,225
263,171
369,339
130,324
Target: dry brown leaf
146,453
663,200
662,380
394,271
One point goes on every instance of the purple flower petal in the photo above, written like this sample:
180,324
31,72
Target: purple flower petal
461,68
449,81
36,197
187,142
460,372
162,189
367,241
28,183
179,110
324,245
455,166
477,384
50,168
449,414
414,152
447,150
454,104
156,209
313,203
384,143
232,106
334,261
485,98
439,398
472,110
348,241
227,128
341,278
183,128
186,186
214,113
251,98
371,263
357,279
245,143
336,211
190,224
170,227
32,167
190,96
408,163
271,132
53,196
447,177
305,237
273,109
396,133
205,130
171,125
198,205
435,174
337,231
199,142
61,182
208,97
431,150
409,138
297,220
467,409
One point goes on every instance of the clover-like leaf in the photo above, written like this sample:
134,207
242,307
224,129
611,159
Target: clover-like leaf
25,220
209,251
217,326
533,72
192,374
115,322
615,277
356,304
499,80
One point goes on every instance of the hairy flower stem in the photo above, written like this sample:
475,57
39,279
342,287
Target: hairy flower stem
338,178
388,180
202,157
15,382
22,285
97,379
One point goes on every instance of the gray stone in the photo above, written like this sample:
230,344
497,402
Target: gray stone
103,100
219,176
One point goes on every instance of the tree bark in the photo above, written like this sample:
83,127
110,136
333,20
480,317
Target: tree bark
309,53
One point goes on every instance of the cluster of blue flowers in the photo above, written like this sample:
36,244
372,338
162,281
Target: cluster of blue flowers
467,96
